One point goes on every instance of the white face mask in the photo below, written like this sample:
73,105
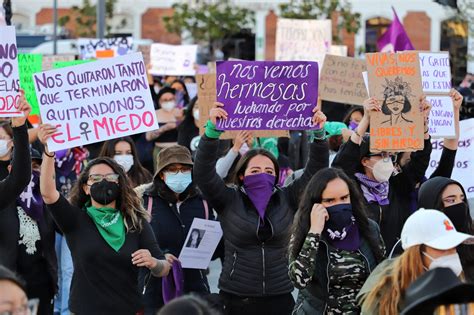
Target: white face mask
196,114
4,149
383,170
449,261
168,106
125,161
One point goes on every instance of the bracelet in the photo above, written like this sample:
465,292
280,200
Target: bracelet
357,134
211,131
158,268
50,156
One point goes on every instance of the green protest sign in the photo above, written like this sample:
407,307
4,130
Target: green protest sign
64,64
29,64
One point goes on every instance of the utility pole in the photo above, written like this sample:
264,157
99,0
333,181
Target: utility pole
55,27
100,33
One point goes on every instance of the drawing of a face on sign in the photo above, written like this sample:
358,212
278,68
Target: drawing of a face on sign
396,102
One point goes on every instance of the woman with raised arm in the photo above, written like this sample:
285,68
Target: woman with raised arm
106,229
255,215
15,182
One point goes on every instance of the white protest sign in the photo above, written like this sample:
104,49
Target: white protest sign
338,50
192,90
302,40
49,60
96,101
464,164
9,74
441,122
107,47
435,72
173,59
200,244
365,76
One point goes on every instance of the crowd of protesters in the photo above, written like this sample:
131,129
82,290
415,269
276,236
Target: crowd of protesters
94,229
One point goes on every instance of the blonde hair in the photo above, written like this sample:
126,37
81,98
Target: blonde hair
390,289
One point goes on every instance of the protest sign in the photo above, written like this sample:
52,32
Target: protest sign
395,81
173,59
145,50
365,76
441,116
64,64
49,60
88,47
96,101
464,164
200,244
267,95
436,80
338,50
206,84
302,40
192,89
9,76
341,80
30,64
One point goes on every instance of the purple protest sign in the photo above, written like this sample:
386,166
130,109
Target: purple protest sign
267,95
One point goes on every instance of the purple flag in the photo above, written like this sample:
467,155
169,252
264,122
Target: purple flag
267,95
395,38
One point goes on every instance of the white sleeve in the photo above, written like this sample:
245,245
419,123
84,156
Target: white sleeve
224,164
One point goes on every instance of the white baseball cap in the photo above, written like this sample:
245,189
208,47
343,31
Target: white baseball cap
434,229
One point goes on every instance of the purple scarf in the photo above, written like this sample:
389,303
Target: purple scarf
30,199
173,284
259,189
64,162
373,190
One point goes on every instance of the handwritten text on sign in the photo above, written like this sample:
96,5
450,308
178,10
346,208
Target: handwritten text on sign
96,101
435,72
9,77
267,95
28,65
173,59
88,47
441,118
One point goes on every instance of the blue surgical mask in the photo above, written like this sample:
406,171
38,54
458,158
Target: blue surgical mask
178,182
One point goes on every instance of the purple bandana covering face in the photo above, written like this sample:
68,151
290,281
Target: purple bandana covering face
30,199
341,230
173,285
353,125
373,190
259,189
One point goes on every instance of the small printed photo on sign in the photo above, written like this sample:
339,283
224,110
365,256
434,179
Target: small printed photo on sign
195,238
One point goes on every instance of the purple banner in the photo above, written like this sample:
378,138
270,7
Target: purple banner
267,95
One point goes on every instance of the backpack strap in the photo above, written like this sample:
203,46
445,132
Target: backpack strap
149,206
206,209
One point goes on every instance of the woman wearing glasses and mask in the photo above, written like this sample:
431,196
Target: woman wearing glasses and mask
173,202
107,232
387,197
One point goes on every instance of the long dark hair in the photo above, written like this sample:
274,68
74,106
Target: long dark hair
128,203
244,162
137,174
313,194
347,118
185,91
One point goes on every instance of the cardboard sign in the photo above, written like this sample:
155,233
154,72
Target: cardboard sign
341,80
441,116
96,101
145,50
262,95
395,81
9,76
436,80
464,164
173,59
30,64
302,40
88,47
206,84
49,60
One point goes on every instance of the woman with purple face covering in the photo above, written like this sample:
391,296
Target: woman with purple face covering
255,215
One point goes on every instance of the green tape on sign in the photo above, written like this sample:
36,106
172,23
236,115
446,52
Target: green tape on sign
64,64
30,64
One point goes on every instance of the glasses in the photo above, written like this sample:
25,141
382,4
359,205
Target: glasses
176,169
31,308
386,156
97,178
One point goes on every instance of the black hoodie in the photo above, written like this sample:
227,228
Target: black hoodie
428,198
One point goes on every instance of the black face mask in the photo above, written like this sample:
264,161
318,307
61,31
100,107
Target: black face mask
105,192
458,215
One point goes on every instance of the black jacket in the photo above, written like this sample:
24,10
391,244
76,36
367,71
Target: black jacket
389,217
171,228
254,267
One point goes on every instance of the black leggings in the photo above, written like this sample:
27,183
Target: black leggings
271,305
